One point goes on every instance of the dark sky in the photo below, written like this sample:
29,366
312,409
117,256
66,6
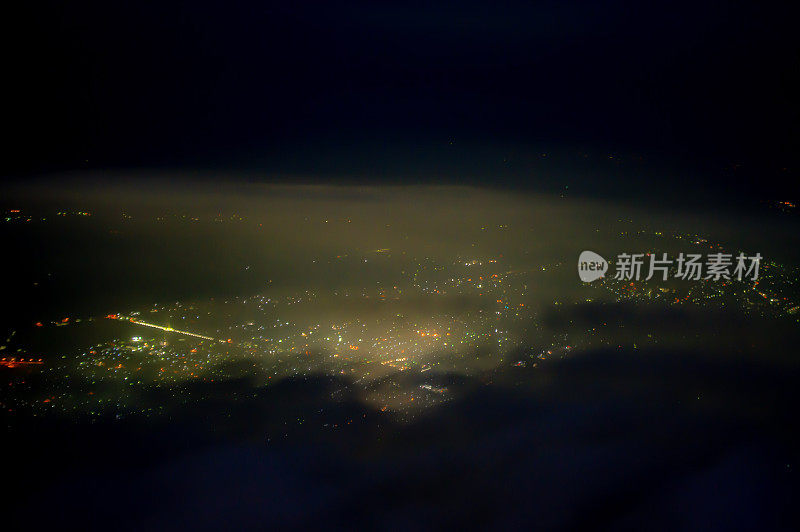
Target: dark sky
375,88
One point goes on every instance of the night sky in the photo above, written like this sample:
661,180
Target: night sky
454,92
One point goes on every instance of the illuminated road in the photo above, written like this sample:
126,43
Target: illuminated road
167,329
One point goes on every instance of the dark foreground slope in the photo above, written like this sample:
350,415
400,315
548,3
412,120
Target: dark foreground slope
611,439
